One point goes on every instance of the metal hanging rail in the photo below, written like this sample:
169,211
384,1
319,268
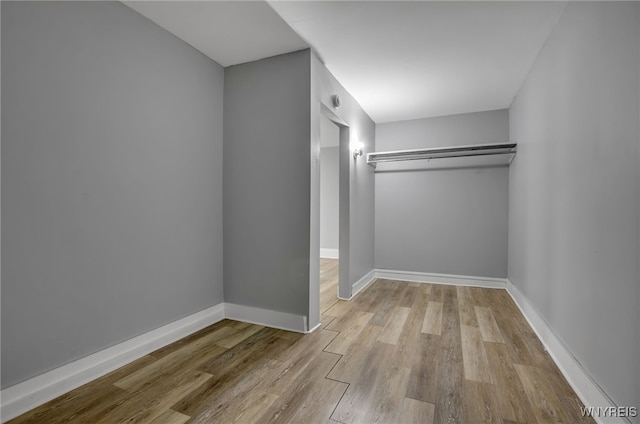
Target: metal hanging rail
443,152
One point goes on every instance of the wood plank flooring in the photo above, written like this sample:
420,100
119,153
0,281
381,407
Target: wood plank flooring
397,353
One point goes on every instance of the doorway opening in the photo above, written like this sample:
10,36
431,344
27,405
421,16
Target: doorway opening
335,257
329,213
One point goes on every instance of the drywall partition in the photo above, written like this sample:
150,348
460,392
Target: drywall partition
443,220
266,184
329,204
357,196
638,190
573,194
111,181
329,188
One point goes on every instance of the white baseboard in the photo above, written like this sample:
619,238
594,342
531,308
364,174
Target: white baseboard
266,317
450,279
424,277
31,393
585,387
329,253
22,397
362,283
318,325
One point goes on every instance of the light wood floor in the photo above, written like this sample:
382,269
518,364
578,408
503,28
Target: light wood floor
397,353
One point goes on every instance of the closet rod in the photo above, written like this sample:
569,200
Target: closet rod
442,152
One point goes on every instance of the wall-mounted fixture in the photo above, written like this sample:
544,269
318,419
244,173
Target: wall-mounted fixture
358,150
336,101
506,151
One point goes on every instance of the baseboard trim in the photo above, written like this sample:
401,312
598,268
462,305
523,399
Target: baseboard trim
450,279
329,253
266,317
22,397
585,387
362,283
314,328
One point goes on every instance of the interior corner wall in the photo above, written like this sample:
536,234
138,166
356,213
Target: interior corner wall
111,181
266,183
358,260
574,187
443,219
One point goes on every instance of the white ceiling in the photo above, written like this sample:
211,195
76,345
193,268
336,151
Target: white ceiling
229,32
400,60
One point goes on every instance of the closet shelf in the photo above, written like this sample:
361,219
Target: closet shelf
443,152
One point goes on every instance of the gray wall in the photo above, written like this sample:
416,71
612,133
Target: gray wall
266,183
111,181
574,187
329,204
450,219
329,185
356,196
